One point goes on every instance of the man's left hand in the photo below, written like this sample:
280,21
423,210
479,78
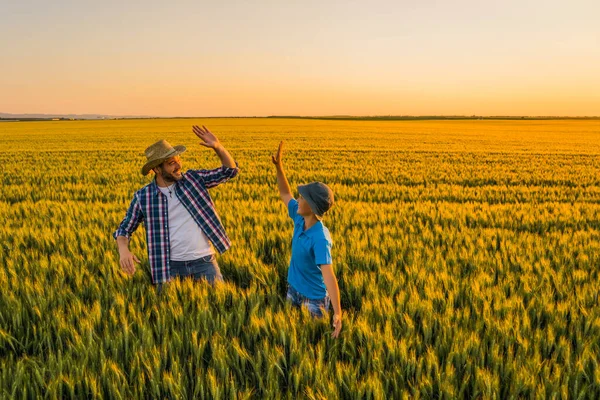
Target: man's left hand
208,139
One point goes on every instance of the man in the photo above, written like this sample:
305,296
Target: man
178,214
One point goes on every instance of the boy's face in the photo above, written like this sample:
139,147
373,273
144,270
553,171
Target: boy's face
303,207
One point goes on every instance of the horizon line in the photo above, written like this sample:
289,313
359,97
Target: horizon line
334,116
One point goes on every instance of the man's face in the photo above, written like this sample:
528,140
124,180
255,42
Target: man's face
170,170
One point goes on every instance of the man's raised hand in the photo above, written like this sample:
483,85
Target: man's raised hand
208,139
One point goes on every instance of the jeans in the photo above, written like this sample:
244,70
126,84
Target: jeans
316,307
202,268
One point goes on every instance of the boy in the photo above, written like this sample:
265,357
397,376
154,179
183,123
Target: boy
312,282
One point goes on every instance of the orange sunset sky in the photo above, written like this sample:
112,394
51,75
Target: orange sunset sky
234,58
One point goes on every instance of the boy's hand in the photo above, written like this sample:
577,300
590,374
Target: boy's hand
337,325
278,158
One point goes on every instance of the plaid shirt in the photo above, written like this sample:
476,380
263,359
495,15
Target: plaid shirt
149,205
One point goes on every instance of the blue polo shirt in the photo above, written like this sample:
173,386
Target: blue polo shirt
311,248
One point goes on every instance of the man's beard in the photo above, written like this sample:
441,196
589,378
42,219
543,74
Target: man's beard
167,177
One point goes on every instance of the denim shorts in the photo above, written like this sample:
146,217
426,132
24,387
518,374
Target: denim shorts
316,307
201,268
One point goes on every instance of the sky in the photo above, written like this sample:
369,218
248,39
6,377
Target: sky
260,58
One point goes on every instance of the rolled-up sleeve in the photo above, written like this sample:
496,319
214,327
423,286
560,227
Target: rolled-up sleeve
214,177
132,220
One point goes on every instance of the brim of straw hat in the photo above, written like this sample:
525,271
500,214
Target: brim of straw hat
177,150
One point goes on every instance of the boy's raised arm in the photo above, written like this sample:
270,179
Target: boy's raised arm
284,187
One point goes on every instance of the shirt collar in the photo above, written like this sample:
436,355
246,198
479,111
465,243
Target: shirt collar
156,190
154,187
318,227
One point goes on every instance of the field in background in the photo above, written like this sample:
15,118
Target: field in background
467,254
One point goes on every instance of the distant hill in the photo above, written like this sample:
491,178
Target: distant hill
428,117
66,116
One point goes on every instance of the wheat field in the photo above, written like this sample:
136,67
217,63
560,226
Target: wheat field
467,256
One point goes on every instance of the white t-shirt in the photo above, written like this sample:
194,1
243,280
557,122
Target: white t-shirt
188,242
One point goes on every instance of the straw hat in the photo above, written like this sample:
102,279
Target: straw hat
159,152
